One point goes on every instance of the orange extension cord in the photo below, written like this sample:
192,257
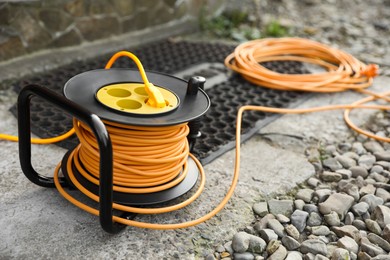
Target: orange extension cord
343,72
151,159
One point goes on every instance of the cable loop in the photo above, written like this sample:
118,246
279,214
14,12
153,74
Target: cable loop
343,71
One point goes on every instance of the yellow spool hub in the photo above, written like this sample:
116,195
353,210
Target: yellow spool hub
132,98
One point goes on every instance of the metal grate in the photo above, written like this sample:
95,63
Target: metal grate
227,92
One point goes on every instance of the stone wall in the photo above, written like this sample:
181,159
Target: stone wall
31,25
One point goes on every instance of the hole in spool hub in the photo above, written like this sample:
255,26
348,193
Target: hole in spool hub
128,104
141,91
117,92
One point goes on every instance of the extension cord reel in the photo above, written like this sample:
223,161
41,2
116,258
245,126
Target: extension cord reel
120,98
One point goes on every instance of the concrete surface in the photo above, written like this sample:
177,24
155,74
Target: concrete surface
37,223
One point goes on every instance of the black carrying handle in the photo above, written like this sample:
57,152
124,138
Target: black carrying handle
194,84
101,135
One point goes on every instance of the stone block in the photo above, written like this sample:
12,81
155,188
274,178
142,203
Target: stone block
138,22
82,8
10,45
171,3
94,7
27,4
129,24
53,3
147,5
98,28
160,14
4,14
55,20
124,7
31,32
181,9
75,8
67,39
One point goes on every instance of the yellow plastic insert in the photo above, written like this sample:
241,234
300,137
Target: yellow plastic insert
133,98
156,98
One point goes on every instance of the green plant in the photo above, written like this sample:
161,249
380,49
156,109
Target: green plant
240,26
224,24
275,29
233,25
322,152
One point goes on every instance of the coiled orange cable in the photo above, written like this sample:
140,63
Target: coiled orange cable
343,71
135,171
146,159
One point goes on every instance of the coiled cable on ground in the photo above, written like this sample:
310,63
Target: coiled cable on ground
343,72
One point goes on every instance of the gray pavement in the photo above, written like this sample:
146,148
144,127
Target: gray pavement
37,223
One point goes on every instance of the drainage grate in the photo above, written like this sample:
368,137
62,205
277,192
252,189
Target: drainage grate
183,59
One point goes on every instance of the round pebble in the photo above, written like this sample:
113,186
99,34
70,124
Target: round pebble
293,231
280,253
298,219
282,218
346,161
299,204
373,226
305,195
373,147
320,230
272,246
314,246
290,243
348,243
260,208
381,215
268,234
367,161
314,219
358,171
240,242
332,164
340,254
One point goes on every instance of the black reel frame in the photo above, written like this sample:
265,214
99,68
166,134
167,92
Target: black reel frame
102,137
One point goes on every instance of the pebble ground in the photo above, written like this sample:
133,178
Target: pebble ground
340,213
343,211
